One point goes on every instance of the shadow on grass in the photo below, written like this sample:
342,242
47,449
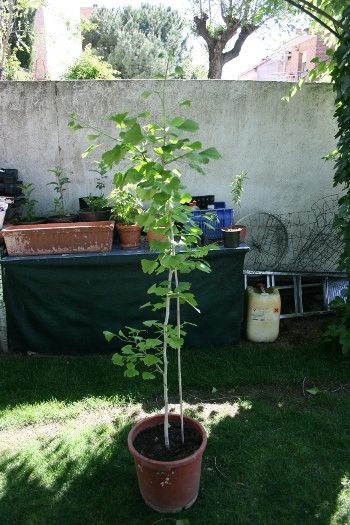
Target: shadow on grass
269,461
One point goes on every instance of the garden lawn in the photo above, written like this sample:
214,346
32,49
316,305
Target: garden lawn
277,416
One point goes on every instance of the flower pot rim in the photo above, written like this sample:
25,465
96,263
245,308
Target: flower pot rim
156,420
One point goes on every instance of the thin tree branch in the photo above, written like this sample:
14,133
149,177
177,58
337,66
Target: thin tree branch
336,23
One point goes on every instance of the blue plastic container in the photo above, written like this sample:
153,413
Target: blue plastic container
211,222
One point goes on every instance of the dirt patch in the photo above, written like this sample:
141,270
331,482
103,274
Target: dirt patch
298,330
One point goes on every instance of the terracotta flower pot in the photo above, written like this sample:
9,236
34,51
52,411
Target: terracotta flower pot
49,239
168,486
153,236
243,232
129,236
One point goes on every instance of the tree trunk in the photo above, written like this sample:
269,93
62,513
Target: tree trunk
215,61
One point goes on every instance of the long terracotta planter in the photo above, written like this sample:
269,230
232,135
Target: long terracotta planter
168,486
52,239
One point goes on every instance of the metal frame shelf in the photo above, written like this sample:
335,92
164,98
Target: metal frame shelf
329,283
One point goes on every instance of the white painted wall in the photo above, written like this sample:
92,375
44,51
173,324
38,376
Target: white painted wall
279,144
60,38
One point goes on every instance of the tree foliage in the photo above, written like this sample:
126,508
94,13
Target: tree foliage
226,24
131,39
339,331
16,18
90,66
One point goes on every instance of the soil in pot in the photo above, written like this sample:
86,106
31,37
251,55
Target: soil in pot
61,219
150,442
37,220
86,215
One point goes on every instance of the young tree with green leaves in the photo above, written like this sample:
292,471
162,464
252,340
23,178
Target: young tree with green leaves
131,39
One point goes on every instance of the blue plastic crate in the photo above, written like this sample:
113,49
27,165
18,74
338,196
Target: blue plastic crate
211,222
219,204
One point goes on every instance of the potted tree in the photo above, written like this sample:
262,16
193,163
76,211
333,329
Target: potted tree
125,209
60,186
168,477
29,204
236,190
96,207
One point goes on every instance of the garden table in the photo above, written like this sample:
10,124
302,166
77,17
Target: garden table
61,304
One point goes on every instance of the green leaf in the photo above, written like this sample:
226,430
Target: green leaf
185,197
119,118
131,370
314,391
89,150
146,94
134,135
212,153
92,137
118,360
189,125
151,359
197,168
115,155
149,266
197,157
127,349
175,342
160,77
74,127
195,145
177,121
148,375
213,390
108,335
185,103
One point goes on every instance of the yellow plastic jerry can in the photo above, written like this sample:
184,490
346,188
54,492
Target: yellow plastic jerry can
263,314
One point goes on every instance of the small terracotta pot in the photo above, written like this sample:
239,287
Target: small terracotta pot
153,236
243,231
129,236
168,486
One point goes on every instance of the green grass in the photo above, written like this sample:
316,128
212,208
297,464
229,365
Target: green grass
276,454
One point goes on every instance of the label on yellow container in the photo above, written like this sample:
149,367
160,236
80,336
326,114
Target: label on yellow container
265,315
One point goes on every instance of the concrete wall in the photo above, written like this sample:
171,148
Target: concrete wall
279,144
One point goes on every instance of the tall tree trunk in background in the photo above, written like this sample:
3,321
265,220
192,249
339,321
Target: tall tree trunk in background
217,40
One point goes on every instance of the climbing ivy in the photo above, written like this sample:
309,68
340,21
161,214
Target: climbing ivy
339,331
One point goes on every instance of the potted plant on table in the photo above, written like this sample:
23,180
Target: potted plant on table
236,190
96,207
60,186
29,216
125,209
168,477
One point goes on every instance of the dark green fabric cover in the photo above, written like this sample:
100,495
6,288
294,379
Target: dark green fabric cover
62,304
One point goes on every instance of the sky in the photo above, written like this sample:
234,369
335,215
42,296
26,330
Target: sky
254,50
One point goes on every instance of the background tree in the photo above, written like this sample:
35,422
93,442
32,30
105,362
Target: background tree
16,23
131,39
226,24
90,66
